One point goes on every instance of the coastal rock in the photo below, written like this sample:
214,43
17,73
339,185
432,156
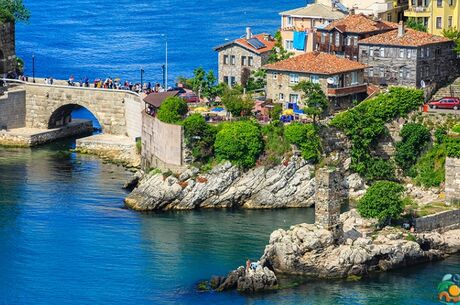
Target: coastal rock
249,280
287,185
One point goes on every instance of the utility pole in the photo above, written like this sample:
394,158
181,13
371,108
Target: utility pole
33,67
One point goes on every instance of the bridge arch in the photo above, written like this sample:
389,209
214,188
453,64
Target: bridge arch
63,115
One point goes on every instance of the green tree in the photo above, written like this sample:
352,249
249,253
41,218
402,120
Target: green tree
257,80
379,169
453,34
172,110
414,139
199,137
279,53
239,142
202,83
14,8
416,25
276,111
313,97
237,104
383,201
306,138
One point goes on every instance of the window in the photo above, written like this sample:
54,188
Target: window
382,52
232,60
401,53
348,41
314,79
243,60
382,72
294,78
289,45
289,21
250,61
275,75
293,98
226,80
409,53
422,52
232,81
439,22
428,52
449,22
281,96
439,3
451,2
323,37
389,17
371,52
371,72
337,39
354,78
225,59
401,73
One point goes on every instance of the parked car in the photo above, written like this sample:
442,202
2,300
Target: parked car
190,97
445,103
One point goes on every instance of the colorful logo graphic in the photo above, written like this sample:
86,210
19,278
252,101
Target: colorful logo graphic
449,289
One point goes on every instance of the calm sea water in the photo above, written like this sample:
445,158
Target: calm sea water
65,238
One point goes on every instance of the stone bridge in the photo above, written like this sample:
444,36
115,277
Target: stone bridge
119,112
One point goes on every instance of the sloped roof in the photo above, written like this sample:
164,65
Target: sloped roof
157,98
316,63
411,38
269,43
360,24
315,10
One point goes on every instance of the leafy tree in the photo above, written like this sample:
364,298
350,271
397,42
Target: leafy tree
15,9
257,80
237,104
379,169
199,137
415,25
172,110
276,111
204,84
314,98
383,201
239,142
306,138
453,34
275,143
414,139
279,53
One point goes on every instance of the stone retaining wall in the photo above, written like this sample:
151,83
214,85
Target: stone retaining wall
13,109
7,48
452,179
440,221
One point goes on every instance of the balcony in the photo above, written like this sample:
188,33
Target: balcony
344,91
418,11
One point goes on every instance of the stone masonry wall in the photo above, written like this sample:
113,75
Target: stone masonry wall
440,221
7,48
452,180
13,109
161,144
236,69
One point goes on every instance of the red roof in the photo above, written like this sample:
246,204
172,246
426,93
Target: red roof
266,39
360,24
411,38
316,63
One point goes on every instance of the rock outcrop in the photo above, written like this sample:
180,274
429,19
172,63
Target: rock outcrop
247,280
291,184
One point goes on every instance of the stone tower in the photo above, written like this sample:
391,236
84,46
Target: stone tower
328,200
7,48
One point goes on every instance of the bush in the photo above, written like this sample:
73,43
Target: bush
172,110
453,147
383,201
239,142
365,123
236,104
414,139
199,137
276,145
306,138
456,128
430,168
380,169
440,135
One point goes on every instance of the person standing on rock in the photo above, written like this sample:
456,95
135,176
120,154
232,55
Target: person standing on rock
248,265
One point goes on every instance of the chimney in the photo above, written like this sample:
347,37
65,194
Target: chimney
248,33
352,11
401,30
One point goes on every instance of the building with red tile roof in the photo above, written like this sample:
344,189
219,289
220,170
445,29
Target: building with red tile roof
238,58
406,57
341,79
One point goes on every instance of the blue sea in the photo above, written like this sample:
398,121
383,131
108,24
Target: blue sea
65,236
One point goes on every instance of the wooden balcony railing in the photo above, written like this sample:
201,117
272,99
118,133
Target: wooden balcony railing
343,91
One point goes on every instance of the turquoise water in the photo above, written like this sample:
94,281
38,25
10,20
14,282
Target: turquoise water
65,238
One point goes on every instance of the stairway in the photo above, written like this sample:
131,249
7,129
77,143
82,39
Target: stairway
452,90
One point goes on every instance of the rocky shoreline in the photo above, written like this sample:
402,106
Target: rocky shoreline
309,250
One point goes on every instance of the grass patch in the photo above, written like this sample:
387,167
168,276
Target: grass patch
430,169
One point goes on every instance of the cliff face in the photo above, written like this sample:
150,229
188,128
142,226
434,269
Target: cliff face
287,185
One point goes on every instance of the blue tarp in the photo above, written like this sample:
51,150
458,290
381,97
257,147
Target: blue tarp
299,40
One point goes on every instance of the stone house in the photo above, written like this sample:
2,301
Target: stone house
7,48
298,26
341,79
406,57
238,58
341,37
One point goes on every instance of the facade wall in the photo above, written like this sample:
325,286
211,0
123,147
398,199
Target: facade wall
162,144
428,12
133,115
235,70
7,48
387,10
452,179
13,109
406,66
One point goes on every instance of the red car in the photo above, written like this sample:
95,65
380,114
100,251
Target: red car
190,97
446,103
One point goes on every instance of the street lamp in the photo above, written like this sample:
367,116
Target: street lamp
33,67
142,79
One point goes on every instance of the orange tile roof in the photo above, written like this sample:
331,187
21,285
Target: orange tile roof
269,43
411,38
316,63
360,24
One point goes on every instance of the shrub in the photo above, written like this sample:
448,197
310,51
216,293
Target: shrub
365,123
453,147
456,128
380,169
440,135
139,146
276,145
276,111
414,139
239,142
236,104
199,137
306,138
430,168
172,110
383,201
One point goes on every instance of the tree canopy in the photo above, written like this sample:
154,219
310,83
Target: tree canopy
314,98
453,34
172,110
11,10
279,53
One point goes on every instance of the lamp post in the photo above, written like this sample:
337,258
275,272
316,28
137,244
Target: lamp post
163,70
33,68
142,79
